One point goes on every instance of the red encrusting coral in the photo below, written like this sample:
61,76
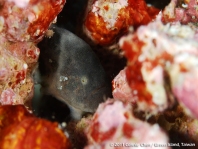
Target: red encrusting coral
161,66
106,21
121,88
184,11
20,129
22,26
28,23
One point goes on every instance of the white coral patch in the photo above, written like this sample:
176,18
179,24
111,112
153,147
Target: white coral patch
1,23
20,3
154,83
108,10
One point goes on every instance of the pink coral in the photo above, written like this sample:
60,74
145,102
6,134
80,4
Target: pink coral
121,89
27,23
113,125
184,11
22,25
162,62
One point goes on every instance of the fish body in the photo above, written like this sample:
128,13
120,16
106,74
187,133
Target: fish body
71,72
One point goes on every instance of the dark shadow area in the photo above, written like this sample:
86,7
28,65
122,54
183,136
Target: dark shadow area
158,3
176,137
52,109
71,14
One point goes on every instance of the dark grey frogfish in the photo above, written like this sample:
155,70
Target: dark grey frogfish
71,72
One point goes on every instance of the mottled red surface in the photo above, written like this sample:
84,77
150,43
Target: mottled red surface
21,130
135,14
182,11
26,51
133,71
22,25
16,82
113,126
159,63
28,23
121,88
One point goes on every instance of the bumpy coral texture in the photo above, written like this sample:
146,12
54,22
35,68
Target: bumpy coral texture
113,126
121,88
162,65
107,20
184,11
20,129
27,23
22,25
